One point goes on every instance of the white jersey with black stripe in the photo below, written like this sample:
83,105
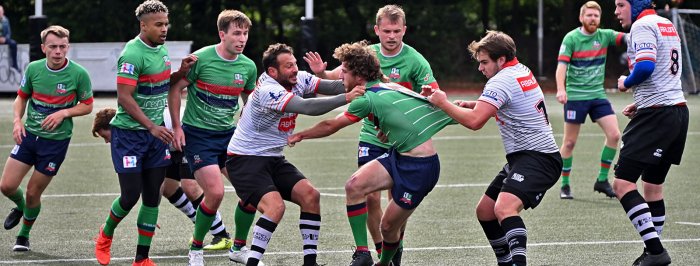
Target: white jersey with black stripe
654,38
264,127
522,114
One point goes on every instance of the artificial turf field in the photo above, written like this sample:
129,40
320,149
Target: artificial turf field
589,230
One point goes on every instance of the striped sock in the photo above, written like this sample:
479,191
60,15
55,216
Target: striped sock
262,233
566,170
243,220
180,201
638,212
516,233
146,224
309,226
378,247
18,198
30,215
658,215
202,223
217,226
388,252
357,215
497,239
606,158
116,214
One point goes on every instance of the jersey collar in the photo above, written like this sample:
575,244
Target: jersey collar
511,63
646,12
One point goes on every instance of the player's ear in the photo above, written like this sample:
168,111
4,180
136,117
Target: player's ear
272,71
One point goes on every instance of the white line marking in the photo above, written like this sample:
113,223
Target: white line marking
582,243
688,223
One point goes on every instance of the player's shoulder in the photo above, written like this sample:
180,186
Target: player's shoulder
572,33
36,64
78,68
245,60
410,51
205,51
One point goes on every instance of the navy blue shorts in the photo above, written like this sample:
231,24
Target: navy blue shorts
179,169
46,155
367,152
414,177
136,150
206,147
575,111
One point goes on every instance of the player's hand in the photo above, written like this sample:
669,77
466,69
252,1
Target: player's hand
18,132
178,138
2,40
358,91
438,98
630,110
187,63
162,133
426,90
293,139
315,62
52,121
621,83
561,96
381,136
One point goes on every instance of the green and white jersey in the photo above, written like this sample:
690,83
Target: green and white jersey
409,69
50,91
215,84
586,56
147,68
407,118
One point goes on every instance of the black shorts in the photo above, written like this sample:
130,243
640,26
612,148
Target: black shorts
255,176
655,134
527,175
179,169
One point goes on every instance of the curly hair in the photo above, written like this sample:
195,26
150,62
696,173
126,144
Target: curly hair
274,50
59,31
102,119
232,17
496,44
150,7
359,59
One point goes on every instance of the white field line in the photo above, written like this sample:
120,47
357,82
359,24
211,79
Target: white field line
688,223
579,243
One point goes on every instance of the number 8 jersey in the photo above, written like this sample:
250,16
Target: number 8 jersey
522,115
654,38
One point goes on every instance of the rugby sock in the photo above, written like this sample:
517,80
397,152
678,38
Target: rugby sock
640,216
357,215
18,198
195,203
516,234
217,226
378,247
30,215
566,170
606,158
658,215
146,224
180,201
309,226
388,252
116,214
262,233
497,239
243,219
202,223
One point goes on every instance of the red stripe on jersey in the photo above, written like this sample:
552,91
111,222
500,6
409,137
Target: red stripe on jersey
155,78
619,38
284,105
645,59
126,81
590,53
667,29
88,101
219,89
528,82
434,85
53,99
352,117
646,12
316,88
23,95
564,58
405,84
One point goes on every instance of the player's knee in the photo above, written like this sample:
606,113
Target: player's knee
311,199
613,137
274,211
568,144
485,213
352,188
7,190
622,187
373,199
33,197
128,202
502,212
388,228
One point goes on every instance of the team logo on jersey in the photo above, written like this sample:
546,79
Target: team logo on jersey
51,167
276,96
528,82
395,73
61,88
596,44
167,155
287,123
667,29
562,48
197,159
238,79
406,198
363,152
24,80
427,77
166,59
127,68
129,161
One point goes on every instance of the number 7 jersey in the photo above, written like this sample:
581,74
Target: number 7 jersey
522,114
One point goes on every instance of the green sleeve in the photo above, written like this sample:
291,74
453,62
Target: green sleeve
26,83
193,73
251,79
84,86
422,74
566,49
129,66
359,107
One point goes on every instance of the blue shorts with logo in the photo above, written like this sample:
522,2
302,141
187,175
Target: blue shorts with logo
414,177
575,111
46,155
206,147
367,152
136,150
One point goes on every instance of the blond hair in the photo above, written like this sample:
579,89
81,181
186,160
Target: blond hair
232,17
392,12
59,31
150,7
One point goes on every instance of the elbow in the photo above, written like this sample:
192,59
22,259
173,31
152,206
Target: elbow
475,125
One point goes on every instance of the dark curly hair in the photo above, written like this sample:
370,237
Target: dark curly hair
102,119
359,59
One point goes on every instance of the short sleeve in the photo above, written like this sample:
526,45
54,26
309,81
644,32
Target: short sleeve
423,74
496,93
359,108
566,49
274,97
84,88
25,86
308,82
251,78
128,69
643,39
193,74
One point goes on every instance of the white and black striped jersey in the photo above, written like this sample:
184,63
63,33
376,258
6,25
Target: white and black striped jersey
522,114
264,127
654,38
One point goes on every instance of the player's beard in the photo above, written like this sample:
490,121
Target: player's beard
591,27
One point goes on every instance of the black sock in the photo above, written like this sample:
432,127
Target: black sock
516,233
638,212
497,239
142,252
